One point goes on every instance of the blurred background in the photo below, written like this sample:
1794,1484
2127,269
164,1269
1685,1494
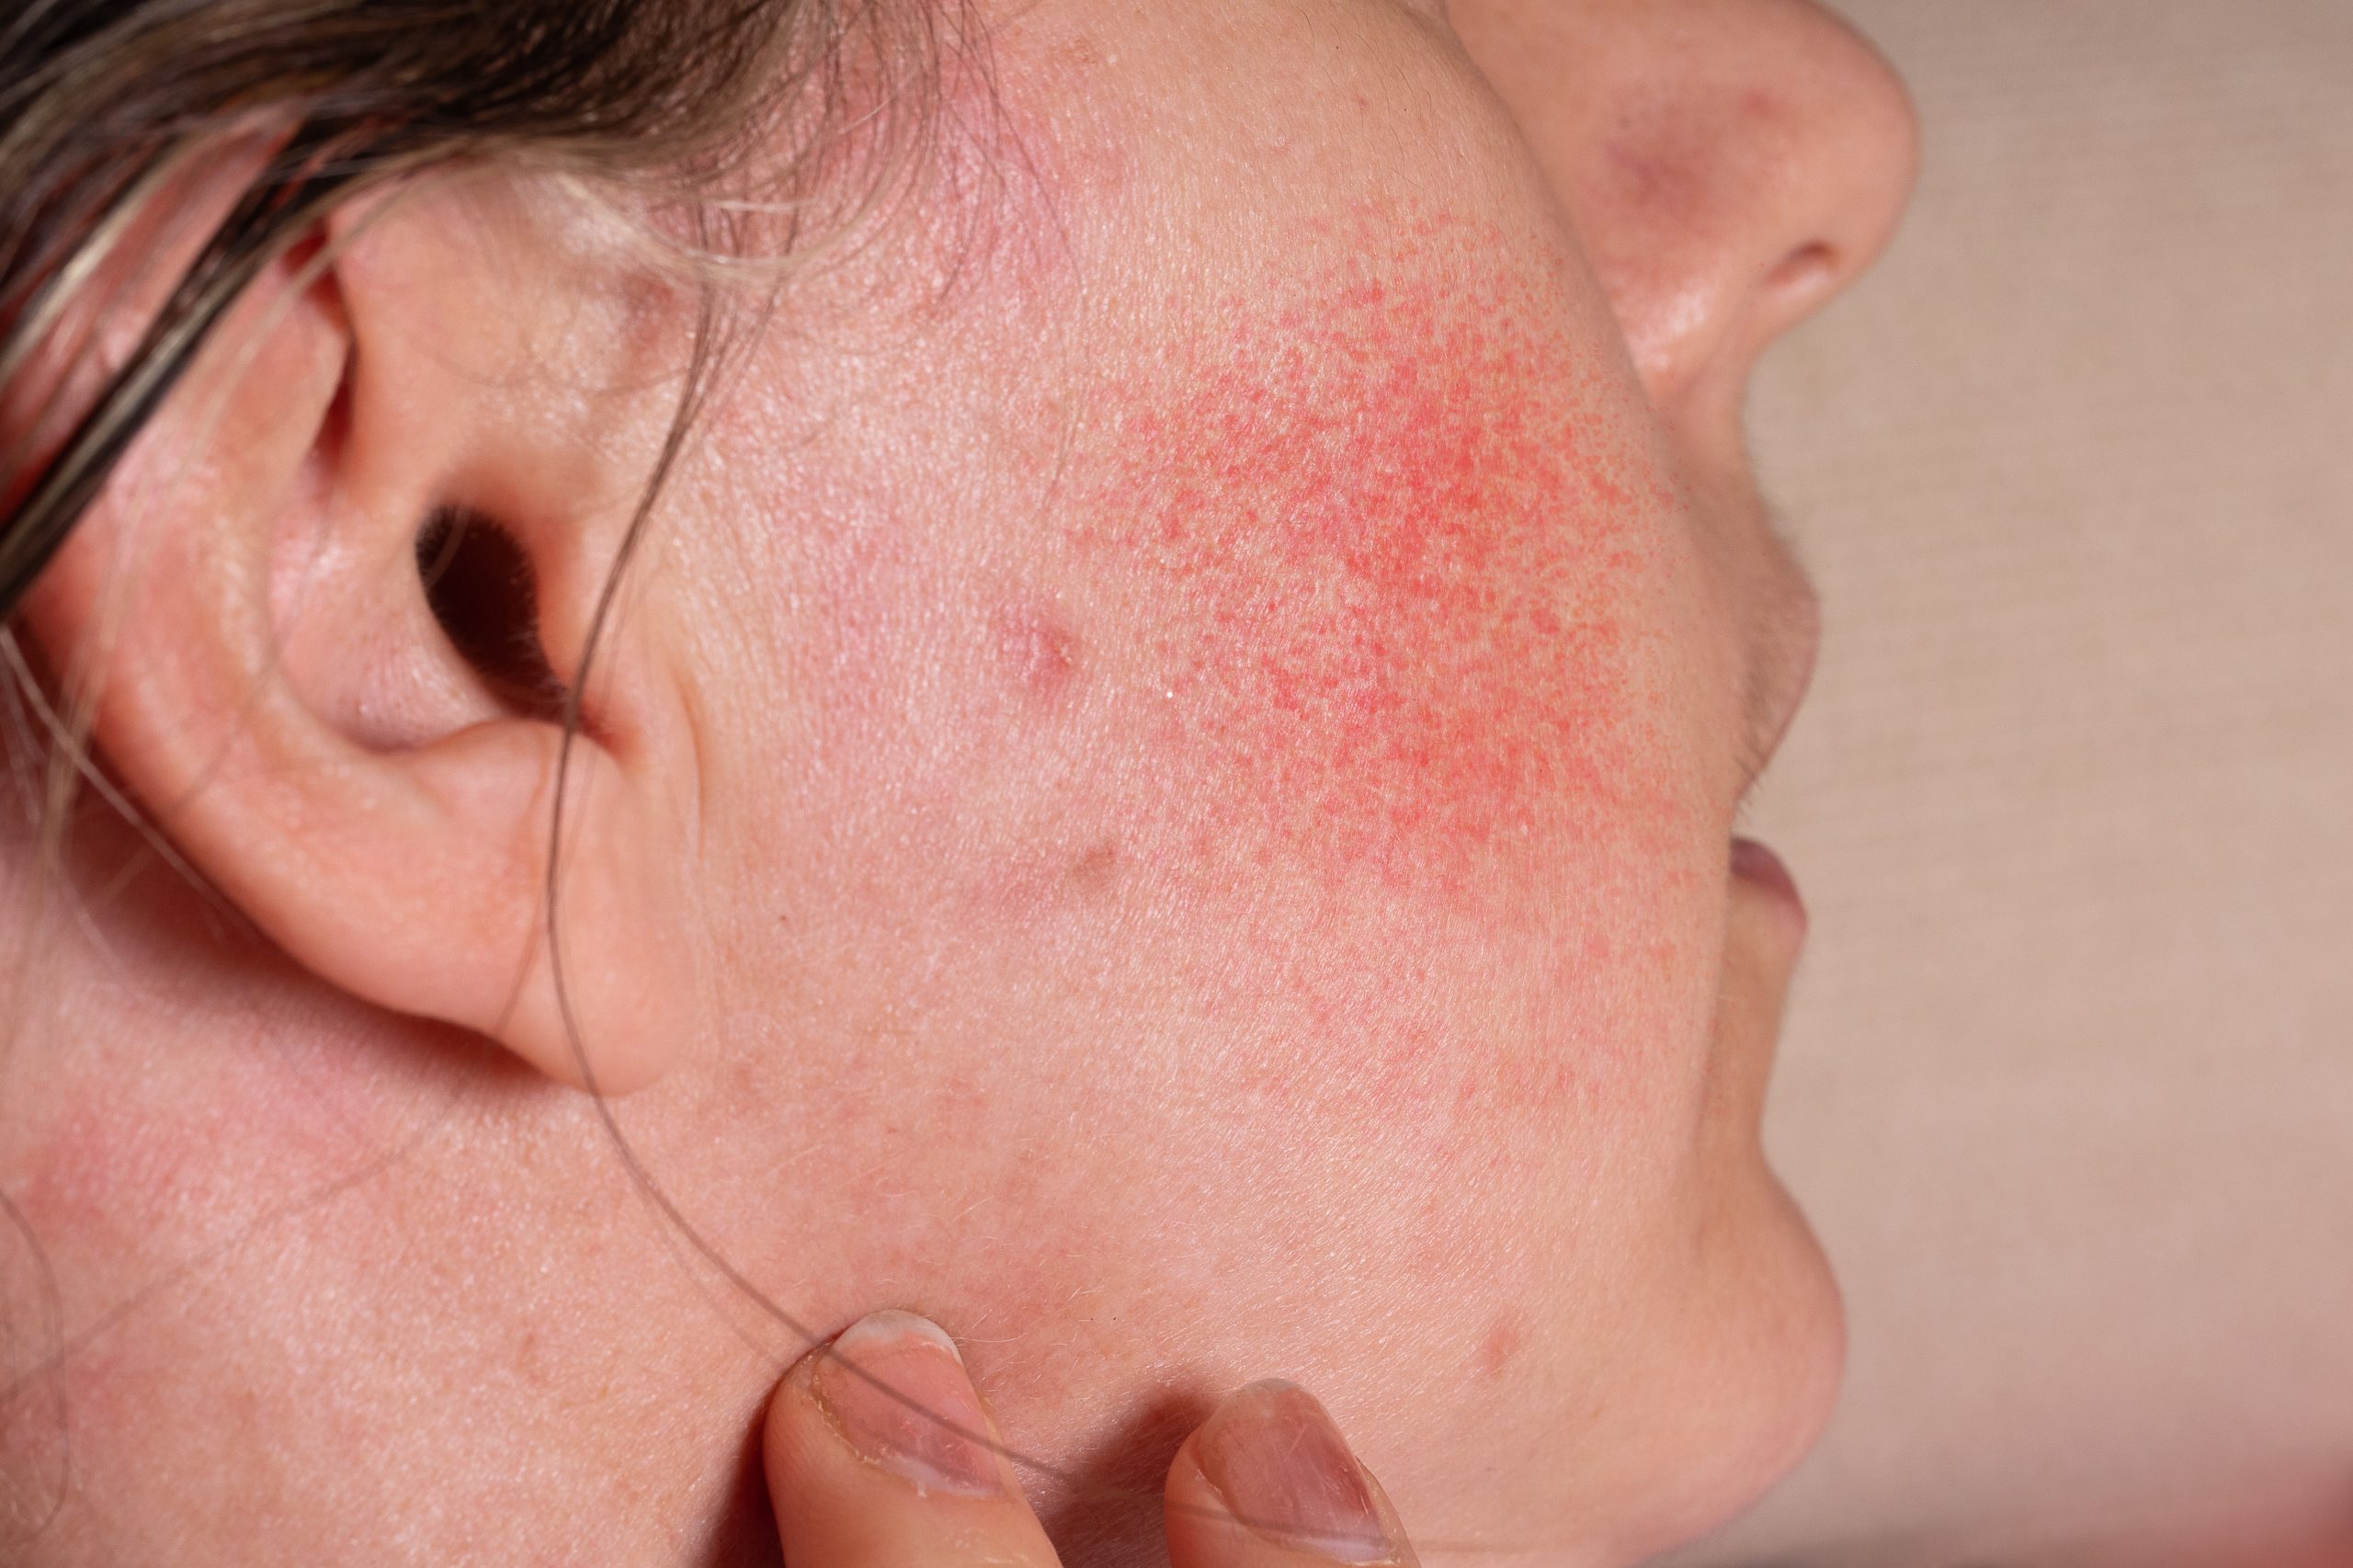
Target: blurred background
2068,1081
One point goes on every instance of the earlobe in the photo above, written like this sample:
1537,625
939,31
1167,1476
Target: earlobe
330,738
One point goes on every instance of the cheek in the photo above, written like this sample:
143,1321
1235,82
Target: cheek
1387,555
1408,607
1325,681
1301,690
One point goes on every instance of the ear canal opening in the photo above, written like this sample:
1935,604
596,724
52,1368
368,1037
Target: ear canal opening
485,595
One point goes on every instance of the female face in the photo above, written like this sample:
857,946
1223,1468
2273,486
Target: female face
1215,655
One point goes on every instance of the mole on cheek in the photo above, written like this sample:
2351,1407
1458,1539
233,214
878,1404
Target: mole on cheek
1388,540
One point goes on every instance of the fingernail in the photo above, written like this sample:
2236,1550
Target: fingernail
1284,1471
924,1422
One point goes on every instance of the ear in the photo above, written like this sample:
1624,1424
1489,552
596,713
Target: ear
326,618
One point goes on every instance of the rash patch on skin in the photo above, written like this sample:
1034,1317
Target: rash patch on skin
1392,537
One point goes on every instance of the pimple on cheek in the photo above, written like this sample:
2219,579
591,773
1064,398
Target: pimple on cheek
1387,538
1038,653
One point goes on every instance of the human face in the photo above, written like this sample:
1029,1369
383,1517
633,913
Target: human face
1288,672
1221,645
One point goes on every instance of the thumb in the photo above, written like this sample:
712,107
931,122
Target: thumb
881,1455
1267,1481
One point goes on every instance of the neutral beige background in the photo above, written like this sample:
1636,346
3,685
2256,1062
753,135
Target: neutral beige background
2068,1084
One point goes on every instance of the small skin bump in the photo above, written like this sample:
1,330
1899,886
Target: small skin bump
1038,653
1044,883
1501,1345
1097,870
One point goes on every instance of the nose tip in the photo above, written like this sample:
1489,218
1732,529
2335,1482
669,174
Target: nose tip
1766,178
1847,175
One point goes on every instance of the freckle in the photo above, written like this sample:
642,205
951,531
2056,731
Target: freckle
1038,652
1096,869
531,1360
1501,1347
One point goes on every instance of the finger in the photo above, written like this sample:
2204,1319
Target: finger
1268,1482
881,1455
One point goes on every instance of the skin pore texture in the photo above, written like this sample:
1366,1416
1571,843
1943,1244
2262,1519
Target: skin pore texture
1186,707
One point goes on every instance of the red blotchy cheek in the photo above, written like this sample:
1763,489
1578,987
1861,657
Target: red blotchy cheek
1385,545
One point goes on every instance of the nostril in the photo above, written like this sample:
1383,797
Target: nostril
1805,270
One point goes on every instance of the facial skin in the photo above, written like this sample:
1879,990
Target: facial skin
1162,795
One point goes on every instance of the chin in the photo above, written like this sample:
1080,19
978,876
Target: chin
1779,1364
1808,1375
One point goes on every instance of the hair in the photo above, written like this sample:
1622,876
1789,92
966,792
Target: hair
101,101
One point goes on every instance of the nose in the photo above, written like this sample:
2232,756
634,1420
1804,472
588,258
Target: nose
1730,164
